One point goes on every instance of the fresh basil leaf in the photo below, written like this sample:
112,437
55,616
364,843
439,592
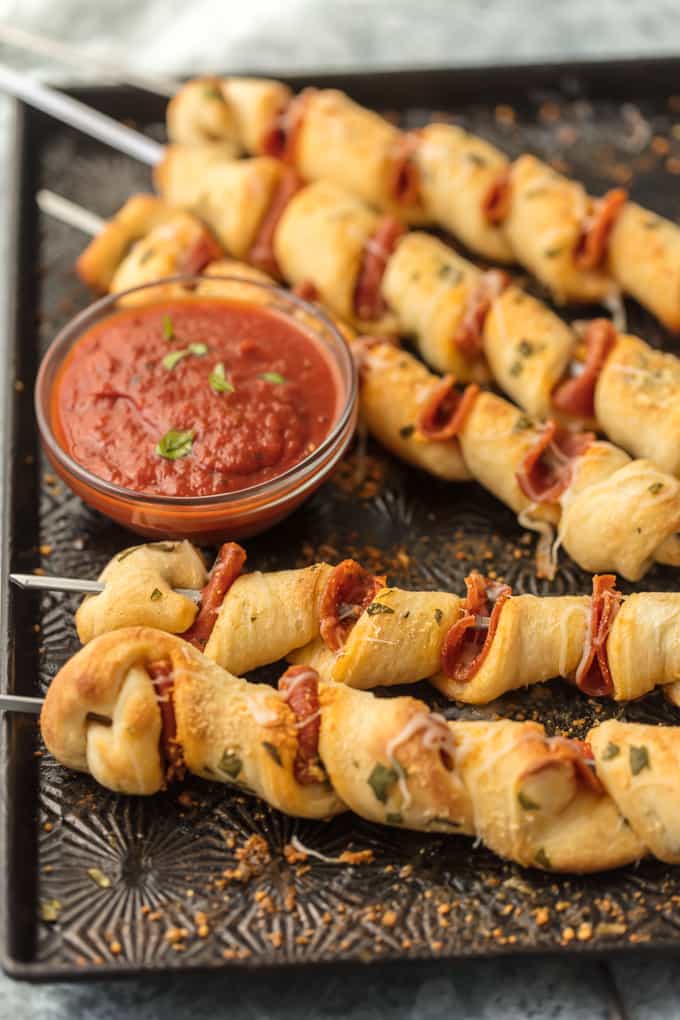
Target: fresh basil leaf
541,858
378,607
380,780
272,751
174,445
172,359
230,764
218,380
639,759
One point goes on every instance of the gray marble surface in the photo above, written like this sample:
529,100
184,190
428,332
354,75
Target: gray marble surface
175,37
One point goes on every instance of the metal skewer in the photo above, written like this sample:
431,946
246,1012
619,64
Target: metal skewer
115,69
18,703
79,115
69,212
43,582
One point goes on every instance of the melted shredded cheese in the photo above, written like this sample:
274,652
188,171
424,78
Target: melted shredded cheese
613,302
263,714
546,550
436,735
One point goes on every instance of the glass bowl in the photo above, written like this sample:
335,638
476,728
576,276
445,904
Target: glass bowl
213,518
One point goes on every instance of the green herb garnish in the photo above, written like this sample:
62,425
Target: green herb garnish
515,368
156,594
218,380
272,377
552,252
406,431
378,607
525,348
526,803
523,422
174,445
380,780
171,359
272,751
639,759
611,751
212,92
394,818
438,615
542,858
168,329
230,764
655,487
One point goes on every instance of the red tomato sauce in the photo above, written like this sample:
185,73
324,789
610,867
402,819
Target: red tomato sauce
194,397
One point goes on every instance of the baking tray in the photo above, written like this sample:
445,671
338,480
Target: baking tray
423,896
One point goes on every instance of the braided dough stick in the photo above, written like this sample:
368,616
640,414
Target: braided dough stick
352,147
140,215
528,349
544,225
531,799
457,170
255,103
228,729
427,285
495,439
536,640
618,514
644,259
640,769
531,806
637,402
394,387
321,238
139,590
232,196
266,616
200,113
398,640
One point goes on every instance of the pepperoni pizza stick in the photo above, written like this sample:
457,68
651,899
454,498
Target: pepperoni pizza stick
353,629
138,708
583,249
464,321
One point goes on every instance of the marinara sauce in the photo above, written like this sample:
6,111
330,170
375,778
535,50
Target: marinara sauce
194,397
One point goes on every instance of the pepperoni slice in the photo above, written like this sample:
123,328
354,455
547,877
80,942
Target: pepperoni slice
593,675
404,176
205,249
160,672
496,202
579,753
280,140
444,412
547,468
349,590
227,567
466,647
592,246
299,686
368,301
468,336
576,395
261,253
307,290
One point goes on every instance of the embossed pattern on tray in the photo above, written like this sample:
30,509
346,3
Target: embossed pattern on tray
163,859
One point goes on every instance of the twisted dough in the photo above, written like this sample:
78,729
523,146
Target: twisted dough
640,505
548,802
394,636
580,247
464,321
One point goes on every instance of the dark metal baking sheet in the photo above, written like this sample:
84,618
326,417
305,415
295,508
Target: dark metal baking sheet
423,897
